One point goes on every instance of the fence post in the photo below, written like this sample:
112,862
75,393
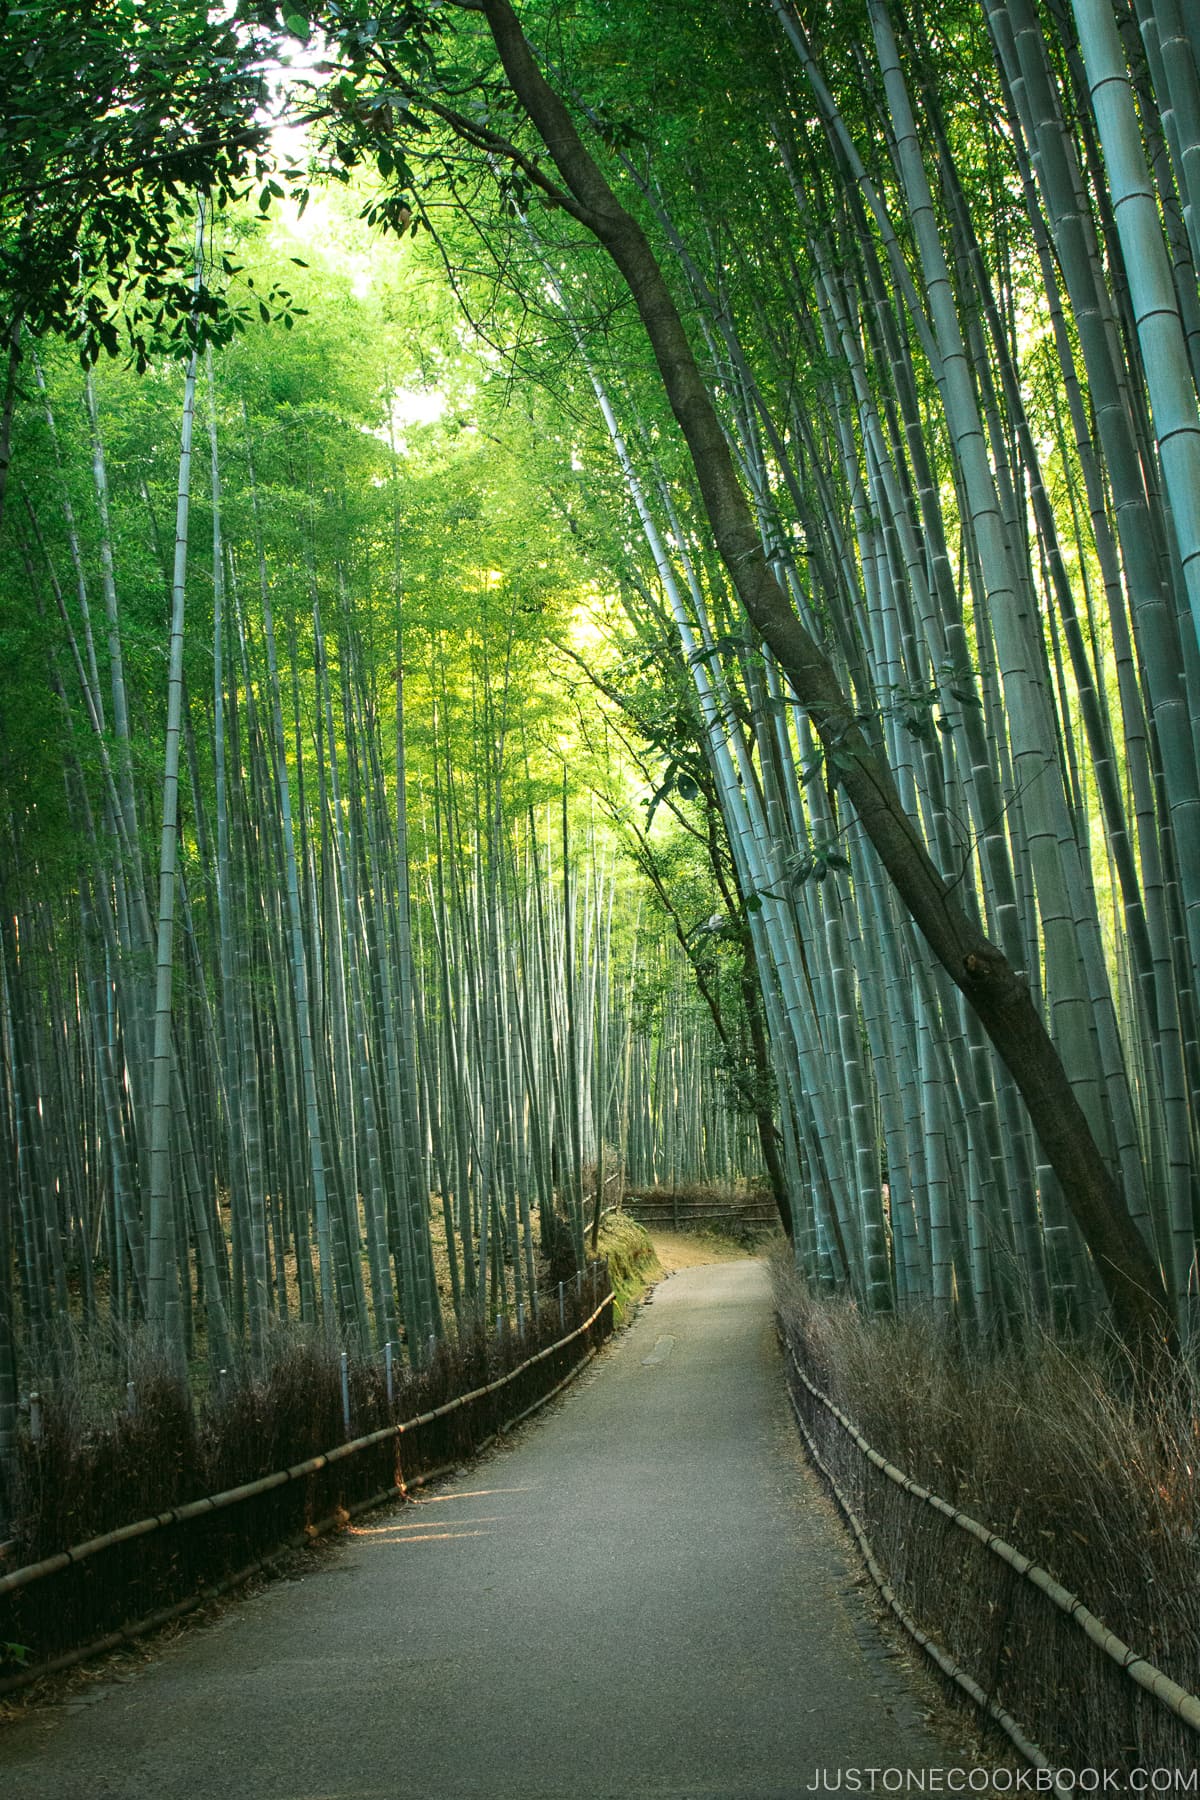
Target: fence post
520,1318
389,1372
562,1310
431,1347
346,1391
35,1417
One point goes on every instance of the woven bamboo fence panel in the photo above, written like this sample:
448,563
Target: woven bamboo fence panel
1067,1690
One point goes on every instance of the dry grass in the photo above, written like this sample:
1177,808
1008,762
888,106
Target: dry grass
1042,1445
744,1214
95,1468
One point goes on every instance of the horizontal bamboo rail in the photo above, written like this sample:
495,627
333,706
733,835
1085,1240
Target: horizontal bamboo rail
687,1209
959,1676
249,1490
657,1211
1169,1693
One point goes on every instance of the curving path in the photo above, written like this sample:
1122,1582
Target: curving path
641,1594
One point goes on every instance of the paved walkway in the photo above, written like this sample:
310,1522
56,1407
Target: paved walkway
639,1595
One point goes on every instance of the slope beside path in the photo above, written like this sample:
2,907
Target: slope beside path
642,1594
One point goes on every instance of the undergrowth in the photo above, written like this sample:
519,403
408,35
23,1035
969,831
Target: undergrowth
1041,1443
91,1470
632,1263
743,1214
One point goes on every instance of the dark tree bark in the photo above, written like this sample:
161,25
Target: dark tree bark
998,993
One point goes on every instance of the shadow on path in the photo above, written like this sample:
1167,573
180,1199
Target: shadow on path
639,1595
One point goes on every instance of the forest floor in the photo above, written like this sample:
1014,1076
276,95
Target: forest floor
693,1250
643,1593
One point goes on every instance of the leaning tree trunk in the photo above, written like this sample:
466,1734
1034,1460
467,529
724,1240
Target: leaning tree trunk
998,993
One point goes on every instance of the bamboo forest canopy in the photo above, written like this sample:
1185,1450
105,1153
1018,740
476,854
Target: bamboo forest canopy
623,607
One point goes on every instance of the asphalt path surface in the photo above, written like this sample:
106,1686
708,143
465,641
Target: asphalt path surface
641,1593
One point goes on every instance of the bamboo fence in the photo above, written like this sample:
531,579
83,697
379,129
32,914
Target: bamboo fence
1008,1635
126,1581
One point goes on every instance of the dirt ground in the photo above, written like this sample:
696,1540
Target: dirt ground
686,1250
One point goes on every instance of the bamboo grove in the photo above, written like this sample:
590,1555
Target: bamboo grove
344,1045
335,748
938,273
